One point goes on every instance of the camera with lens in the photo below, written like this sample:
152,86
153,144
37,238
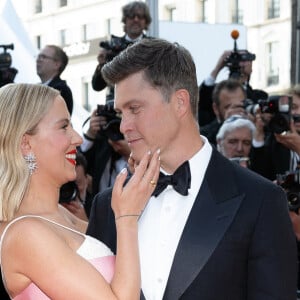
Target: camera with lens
114,46
7,73
237,56
290,182
68,192
112,128
280,108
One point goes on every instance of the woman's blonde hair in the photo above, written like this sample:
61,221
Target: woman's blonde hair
22,106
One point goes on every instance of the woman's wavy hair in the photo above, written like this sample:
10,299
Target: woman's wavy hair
22,106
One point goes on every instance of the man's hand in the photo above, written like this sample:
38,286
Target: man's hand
221,63
290,139
96,123
102,56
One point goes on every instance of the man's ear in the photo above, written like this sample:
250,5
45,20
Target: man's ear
182,103
25,145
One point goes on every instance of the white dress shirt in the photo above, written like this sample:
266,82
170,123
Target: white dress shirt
161,226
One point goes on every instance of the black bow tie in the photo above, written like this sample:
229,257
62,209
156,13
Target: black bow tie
180,180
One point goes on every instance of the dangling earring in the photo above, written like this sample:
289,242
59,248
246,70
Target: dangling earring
31,162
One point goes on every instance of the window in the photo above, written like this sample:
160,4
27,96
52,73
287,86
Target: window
38,6
273,9
38,42
85,101
272,50
237,12
84,32
63,3
66,37
171,12
203,11
62,35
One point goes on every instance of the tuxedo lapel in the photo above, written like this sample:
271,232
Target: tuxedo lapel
214,209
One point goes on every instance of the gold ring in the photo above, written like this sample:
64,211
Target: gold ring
283,133
153,183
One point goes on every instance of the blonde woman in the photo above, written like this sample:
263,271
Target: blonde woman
44,251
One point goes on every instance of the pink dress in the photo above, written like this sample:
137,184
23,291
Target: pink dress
94,251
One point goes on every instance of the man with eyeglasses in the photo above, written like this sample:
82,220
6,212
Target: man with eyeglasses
50,64
136,19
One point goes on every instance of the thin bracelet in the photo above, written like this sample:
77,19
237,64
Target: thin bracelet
123,216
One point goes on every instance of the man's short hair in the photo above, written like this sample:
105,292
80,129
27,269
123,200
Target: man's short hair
229,84
61,56
132,7
166,66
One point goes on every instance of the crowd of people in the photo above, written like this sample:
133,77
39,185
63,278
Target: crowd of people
174,190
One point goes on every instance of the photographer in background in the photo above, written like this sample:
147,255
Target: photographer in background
228,99
7,72
280,151
136,18
239,63
104,147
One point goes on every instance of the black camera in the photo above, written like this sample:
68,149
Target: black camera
280,108
237,56
68,192
7,73
114,46
290,182
112,128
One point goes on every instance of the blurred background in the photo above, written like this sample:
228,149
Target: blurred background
268,28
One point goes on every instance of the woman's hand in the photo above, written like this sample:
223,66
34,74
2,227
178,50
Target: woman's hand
130,200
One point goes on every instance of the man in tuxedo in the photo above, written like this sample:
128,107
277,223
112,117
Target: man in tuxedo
136,19
213,230
50,63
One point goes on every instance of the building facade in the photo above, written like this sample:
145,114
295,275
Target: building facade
79,25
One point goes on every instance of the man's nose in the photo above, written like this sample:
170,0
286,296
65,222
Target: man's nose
240,147
124,125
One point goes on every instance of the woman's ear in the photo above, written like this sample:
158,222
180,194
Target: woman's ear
25,145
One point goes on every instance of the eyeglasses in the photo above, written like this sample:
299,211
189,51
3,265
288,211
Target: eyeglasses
43,56
133,15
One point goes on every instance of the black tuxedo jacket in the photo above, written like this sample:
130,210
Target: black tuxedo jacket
211,130
61,85
237,244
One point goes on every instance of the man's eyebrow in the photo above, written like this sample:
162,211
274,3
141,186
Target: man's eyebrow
127,104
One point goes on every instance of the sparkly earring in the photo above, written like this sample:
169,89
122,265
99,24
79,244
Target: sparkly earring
31,162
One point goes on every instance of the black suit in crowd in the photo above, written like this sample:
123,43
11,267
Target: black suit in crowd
210,131
97,157
226,250
271,159
61,85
